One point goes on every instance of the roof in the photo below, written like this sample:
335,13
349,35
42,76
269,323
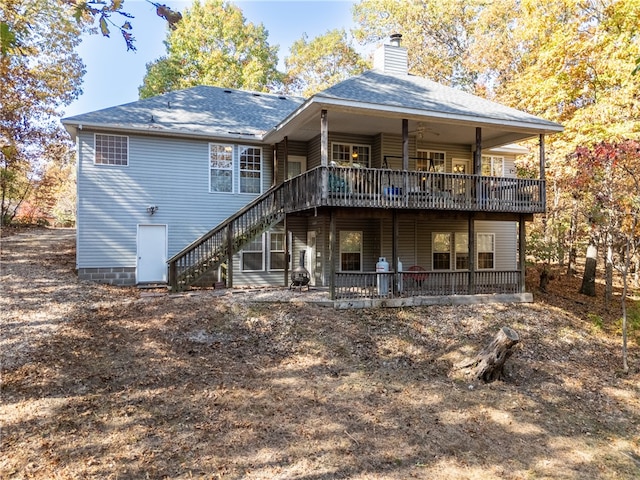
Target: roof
364,104
202,111
411,92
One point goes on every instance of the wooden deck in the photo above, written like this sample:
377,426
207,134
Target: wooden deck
376,188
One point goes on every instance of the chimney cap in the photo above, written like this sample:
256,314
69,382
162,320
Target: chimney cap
396,38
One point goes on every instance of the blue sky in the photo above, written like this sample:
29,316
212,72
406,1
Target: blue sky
113,75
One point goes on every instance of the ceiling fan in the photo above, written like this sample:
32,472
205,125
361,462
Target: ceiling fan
422,129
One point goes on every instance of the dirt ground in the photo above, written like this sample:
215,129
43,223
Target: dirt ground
105,382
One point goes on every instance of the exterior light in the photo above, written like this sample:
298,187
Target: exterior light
151,209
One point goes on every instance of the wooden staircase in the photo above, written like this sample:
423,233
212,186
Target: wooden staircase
218,245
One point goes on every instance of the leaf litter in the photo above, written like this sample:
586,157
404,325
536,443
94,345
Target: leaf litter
106,382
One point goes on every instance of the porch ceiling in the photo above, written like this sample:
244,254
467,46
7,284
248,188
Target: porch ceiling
430,129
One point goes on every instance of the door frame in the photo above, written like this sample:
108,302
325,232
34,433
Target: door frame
166,251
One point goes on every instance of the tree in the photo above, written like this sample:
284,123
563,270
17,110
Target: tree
315,65
612,170
437,34
213,45
40,73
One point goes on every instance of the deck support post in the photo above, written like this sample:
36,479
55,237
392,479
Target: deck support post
324,153
477,158
472,254
543,166
286,160
522,253
394,245
332,254
287,253
230,255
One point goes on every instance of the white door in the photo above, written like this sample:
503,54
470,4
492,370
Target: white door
152,254
296,165
311,256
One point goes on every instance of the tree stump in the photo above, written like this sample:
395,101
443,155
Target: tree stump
488,365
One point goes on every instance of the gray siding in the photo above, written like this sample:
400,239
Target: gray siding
416,235
170,173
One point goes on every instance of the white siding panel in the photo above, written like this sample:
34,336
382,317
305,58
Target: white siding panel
172,174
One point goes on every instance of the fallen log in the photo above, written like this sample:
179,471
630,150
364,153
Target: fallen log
488,365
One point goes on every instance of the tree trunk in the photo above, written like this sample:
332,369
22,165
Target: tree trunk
608,291
488,365
589,278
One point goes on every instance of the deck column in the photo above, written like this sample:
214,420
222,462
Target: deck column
286,159
332,255
543,166
472,254
287,253
230,255
394,246
324,152
477,158
405,158
522,253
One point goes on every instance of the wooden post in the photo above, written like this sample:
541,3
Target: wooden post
522,253
286,252
394,243
286,158
472,254
324,153
477,159
405,160
543,174
332,254
230,255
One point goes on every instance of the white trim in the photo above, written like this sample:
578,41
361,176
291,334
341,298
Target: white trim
302,160
493,243
269,251
240,170
166,248
340,250
263,251
95,134
350,145
210,168
433,251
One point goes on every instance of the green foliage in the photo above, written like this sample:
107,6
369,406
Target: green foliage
41,73
596,320
315,65
213,45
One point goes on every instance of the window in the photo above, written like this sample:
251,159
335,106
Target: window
111,150
252,255
429,161
462,251
250,170
276,251
492,166
350,251
348,155
441,251
221,164
486,244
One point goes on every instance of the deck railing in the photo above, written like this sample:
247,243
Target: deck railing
379,188
352,285
354,187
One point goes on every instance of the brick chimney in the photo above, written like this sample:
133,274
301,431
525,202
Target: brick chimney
392,57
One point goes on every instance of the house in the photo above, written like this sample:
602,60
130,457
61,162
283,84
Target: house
381,169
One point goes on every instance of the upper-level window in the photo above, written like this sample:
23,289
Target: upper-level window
350,155
221,165
430,161
250,169
492,166
111,149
